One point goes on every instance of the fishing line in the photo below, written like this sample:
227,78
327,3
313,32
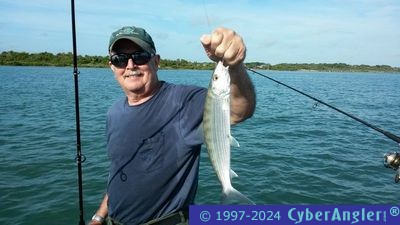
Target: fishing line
79,157
206,13
386,133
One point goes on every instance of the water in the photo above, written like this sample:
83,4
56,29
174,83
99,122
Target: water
291,152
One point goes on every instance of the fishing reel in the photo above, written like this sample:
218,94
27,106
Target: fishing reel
392,160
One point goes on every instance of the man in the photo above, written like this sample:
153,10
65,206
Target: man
154,134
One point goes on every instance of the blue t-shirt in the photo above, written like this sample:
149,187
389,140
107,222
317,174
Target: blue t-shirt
154,149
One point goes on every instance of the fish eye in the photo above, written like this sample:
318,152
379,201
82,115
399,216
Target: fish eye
216,77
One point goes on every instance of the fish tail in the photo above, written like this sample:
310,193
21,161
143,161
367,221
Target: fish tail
233,196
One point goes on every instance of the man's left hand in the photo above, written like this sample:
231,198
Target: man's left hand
224,44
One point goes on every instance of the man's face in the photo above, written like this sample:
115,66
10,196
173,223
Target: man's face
135,79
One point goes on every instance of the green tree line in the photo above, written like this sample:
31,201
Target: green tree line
65,59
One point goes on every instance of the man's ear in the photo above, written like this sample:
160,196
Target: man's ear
112,67
157,60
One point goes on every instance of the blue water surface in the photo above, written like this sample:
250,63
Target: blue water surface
292,151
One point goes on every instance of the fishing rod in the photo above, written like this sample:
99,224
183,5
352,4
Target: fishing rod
79,157
391,159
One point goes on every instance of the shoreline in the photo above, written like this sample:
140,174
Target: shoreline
11,58
210,69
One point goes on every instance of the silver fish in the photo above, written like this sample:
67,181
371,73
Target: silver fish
217,133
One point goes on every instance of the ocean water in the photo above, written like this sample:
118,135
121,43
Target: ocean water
292,151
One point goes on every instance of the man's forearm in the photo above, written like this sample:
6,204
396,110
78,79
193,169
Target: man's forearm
243,99
102,211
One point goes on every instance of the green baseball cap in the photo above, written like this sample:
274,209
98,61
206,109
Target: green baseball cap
136,34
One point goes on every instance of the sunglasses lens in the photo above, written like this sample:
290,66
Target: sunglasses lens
139,58
119,60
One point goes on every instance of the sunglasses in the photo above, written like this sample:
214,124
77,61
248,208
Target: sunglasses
120,60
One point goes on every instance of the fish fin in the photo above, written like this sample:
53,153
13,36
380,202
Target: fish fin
233,196
234,142
233,174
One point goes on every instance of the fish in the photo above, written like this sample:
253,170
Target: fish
217,133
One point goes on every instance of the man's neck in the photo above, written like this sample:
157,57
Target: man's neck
140,98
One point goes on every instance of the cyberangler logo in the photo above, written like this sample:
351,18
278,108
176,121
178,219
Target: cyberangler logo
353,216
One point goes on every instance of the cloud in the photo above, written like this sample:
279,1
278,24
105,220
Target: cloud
351,31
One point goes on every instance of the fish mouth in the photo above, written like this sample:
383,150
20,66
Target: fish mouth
132,74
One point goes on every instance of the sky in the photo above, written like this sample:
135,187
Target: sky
275,31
